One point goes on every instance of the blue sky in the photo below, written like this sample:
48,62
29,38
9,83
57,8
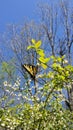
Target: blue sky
15,11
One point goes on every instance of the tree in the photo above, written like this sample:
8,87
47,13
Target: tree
46,104
57,25
54,29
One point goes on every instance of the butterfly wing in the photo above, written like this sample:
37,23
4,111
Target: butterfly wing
32,70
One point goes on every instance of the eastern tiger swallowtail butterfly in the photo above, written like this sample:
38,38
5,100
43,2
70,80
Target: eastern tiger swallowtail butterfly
31,69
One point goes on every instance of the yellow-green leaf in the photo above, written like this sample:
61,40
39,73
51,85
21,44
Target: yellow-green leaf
33,41
29,47
47,59
41,52
44,66
44,60
38,44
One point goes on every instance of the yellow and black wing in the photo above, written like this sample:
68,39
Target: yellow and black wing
31,69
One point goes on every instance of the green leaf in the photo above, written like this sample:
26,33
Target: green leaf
38,44
47,59
41,52
44,66
30,47
44,60
33,41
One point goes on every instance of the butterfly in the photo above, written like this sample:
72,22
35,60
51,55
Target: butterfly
31,69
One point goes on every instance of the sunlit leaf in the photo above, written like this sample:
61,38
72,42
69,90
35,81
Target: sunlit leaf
44,66
44,60
38,44
41,52
30,47
33,41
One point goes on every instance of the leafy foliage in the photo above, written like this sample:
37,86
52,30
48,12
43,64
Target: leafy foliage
43,109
